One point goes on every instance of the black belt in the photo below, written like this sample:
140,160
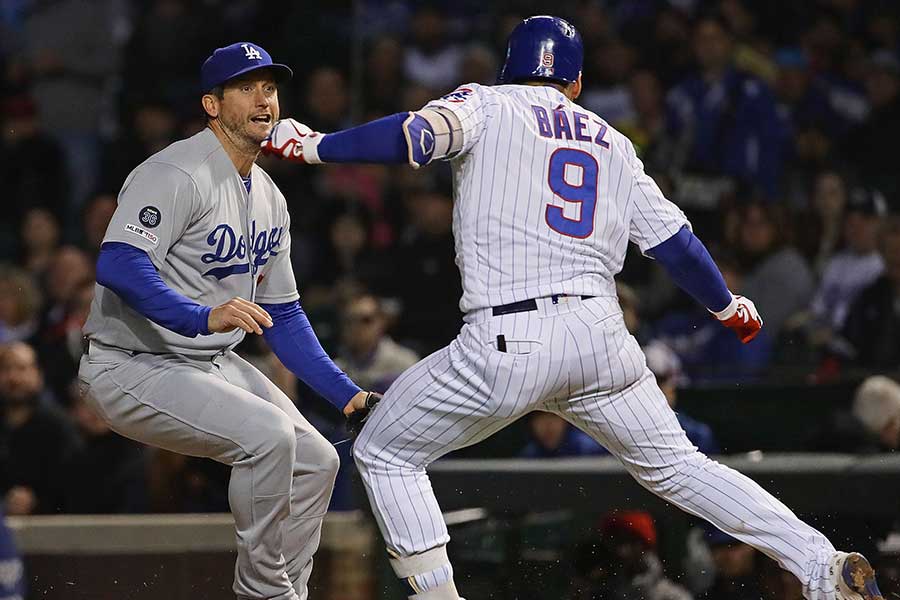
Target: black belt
526,305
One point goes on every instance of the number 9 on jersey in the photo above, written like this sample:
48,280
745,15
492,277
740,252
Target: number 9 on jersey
584,194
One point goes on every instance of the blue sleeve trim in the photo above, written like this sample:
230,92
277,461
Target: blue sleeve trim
688,263
129,272
294,342
379,141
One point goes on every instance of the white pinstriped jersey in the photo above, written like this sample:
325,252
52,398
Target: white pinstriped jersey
547,196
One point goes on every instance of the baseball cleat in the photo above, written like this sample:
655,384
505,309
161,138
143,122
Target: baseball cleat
854,577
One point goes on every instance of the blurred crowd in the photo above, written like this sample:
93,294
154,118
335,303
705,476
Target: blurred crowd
771,123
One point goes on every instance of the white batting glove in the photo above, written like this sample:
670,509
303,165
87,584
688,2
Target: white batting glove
741,317
292,140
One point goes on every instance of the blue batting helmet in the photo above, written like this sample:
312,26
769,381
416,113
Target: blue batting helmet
543,48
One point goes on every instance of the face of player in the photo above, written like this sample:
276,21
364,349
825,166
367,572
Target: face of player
249,108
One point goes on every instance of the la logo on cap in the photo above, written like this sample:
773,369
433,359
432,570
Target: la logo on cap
251,53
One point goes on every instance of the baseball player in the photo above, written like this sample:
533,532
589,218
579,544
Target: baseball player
196,256
547,197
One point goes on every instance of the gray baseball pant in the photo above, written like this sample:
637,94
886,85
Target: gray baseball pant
223,408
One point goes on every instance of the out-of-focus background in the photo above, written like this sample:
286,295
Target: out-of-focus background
773,124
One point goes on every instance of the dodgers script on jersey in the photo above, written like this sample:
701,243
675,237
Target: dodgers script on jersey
188,209
547,196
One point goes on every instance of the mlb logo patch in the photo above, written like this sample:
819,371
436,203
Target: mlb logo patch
547,60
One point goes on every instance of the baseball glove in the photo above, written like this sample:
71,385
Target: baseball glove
358,417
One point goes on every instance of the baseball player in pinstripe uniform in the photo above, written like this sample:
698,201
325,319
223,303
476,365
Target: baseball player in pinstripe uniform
196,256
548,196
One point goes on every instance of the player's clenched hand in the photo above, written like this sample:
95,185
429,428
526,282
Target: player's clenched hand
238,313
741,317
293,141
358,409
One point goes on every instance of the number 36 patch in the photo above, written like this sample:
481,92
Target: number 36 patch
150,216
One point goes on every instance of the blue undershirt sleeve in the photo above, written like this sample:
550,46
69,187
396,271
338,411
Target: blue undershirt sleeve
294,342
379,141
688,263
130,273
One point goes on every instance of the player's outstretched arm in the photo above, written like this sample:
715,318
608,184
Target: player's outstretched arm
688,263
294,342
415,138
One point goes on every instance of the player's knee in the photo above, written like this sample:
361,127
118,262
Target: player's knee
279,438
320,453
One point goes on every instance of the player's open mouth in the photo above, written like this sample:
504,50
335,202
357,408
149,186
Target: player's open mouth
262,119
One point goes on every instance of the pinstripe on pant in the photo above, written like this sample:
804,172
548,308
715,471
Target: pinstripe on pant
576,359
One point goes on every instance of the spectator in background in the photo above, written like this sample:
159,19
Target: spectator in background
803,99
823,221
479,65
735,564
646,128
609,65
872,330
877,406
554,437
68,269
153,126
346,252
871,147
170,38
666,366
426,280
36,440
69,57
327,100
637,572
870,425
60,349
368,355
107,475
431,59
383,78
20,304
725,121
855,267
12,569
775,275
97,214
39,238
32,165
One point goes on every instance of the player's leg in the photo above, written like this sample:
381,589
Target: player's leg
636,424
185,406
315,468
453,398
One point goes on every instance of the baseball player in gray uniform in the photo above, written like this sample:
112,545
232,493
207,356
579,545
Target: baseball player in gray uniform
547,197
196,256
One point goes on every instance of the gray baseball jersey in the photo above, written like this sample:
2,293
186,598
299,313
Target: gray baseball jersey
187,207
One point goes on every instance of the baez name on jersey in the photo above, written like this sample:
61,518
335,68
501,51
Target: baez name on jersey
560,125
228,246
